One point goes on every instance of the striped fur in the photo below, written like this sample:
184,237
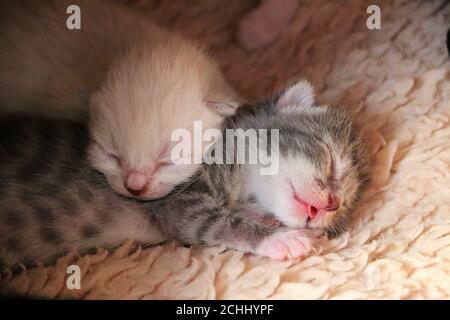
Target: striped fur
51,200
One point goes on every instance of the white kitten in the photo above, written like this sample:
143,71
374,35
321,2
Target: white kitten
137,81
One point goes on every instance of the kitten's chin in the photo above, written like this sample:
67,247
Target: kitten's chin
153,196
294,222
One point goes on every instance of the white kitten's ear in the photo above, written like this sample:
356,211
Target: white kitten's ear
298,97
224,109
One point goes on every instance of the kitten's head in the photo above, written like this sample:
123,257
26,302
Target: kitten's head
135,113
323,163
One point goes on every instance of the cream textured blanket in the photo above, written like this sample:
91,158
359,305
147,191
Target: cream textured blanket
398,78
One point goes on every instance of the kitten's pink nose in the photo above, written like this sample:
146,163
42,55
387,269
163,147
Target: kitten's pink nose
333,205
136,183
312,211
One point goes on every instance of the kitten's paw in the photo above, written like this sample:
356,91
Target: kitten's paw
286,245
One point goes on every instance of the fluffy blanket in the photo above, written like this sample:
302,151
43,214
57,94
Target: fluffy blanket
398,80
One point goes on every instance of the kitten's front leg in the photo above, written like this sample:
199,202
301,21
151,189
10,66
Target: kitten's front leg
244,229
251,231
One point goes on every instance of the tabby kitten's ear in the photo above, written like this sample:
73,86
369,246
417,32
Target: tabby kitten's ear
297,98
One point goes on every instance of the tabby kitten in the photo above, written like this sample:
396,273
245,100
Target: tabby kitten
51,200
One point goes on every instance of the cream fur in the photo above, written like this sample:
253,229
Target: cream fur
142,83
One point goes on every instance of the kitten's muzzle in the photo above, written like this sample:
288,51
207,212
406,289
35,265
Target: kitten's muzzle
312,211
136,183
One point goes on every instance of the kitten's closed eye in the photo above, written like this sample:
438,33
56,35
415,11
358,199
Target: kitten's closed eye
165,162
116,157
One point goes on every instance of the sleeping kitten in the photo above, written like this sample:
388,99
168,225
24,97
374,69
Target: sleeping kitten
138,82
51,200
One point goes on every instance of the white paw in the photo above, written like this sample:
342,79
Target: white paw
286,245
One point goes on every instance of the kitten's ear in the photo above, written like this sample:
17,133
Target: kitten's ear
224,109
299,97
